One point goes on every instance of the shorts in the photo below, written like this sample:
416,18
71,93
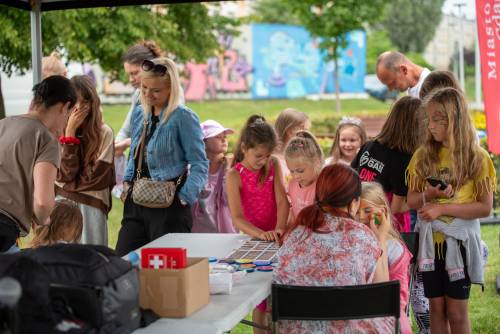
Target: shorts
437,282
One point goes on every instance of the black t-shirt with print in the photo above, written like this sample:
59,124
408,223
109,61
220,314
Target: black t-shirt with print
377,162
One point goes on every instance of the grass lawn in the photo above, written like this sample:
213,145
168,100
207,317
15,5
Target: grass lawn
484,306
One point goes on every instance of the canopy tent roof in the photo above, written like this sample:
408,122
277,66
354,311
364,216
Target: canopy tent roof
47,5
38,6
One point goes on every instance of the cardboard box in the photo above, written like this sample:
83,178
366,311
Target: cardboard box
175,293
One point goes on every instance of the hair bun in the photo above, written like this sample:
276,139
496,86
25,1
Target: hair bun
155,50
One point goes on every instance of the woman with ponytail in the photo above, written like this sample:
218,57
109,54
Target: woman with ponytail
326,247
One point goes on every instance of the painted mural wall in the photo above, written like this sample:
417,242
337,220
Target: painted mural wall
275,61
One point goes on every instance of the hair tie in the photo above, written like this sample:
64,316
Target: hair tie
318,205
257,122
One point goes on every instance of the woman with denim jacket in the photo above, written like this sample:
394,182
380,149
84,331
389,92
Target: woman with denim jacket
173,141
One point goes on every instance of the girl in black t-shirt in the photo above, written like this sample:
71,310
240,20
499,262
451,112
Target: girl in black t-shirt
385,158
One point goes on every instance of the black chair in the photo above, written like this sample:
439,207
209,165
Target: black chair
335,302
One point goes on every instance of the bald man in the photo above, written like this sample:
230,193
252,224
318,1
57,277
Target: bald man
397,72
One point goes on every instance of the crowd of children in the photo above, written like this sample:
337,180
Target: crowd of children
271,179
274,172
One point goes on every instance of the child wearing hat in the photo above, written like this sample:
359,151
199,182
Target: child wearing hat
211,212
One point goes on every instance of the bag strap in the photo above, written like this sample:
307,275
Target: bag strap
141,148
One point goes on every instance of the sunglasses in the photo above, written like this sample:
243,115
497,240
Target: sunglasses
148,66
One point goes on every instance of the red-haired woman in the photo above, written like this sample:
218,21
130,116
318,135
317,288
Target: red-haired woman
327,247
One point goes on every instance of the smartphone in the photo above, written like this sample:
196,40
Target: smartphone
433,181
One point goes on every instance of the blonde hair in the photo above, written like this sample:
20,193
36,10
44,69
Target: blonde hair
373,193
347,122
53,65
401,130
466,159
171,78
288,119
65,216
304,145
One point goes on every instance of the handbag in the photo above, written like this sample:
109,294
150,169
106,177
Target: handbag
147,192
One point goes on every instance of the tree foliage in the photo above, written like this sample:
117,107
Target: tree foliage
272,11
332,20
411,24
101,35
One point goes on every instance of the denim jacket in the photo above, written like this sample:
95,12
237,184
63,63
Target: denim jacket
176,143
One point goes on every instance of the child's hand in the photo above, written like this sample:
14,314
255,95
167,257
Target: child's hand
379,224
430,212
434,192
269,236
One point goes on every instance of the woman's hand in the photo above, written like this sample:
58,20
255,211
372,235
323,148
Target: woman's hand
430,212
76,119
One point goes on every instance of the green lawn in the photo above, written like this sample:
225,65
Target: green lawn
484,306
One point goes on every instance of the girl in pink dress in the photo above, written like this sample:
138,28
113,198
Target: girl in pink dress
256,195
374,201
304,159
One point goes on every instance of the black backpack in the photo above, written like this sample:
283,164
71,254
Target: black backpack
33,310
94,284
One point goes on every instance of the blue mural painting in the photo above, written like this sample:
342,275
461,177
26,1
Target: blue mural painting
287,63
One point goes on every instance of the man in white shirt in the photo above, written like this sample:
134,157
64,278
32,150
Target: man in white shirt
397,72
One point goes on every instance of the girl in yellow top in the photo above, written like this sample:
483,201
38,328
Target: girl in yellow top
451,153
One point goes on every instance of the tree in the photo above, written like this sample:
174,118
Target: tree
377,42
411,24
332,20
101,35
272,11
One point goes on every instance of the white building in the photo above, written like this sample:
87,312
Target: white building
446,40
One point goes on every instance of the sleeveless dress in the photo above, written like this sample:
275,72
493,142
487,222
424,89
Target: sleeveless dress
257,198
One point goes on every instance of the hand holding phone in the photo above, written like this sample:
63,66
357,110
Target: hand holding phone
433,181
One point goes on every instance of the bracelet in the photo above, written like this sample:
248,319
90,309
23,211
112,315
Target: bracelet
69,140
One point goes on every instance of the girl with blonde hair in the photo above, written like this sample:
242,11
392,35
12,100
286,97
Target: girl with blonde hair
449,207
304,159
374,203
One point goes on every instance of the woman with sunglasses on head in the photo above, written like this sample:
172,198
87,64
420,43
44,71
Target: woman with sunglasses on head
87,172
166,138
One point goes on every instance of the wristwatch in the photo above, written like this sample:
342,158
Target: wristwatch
183,202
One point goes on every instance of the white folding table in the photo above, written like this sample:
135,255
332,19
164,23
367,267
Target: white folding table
223,312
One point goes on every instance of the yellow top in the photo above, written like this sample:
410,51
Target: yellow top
467,193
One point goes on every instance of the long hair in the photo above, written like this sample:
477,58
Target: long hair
90,130
337,186
142,50
305,146
401,130
346,122
464,149
288,119
255,132
374,193
171,79
65,216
